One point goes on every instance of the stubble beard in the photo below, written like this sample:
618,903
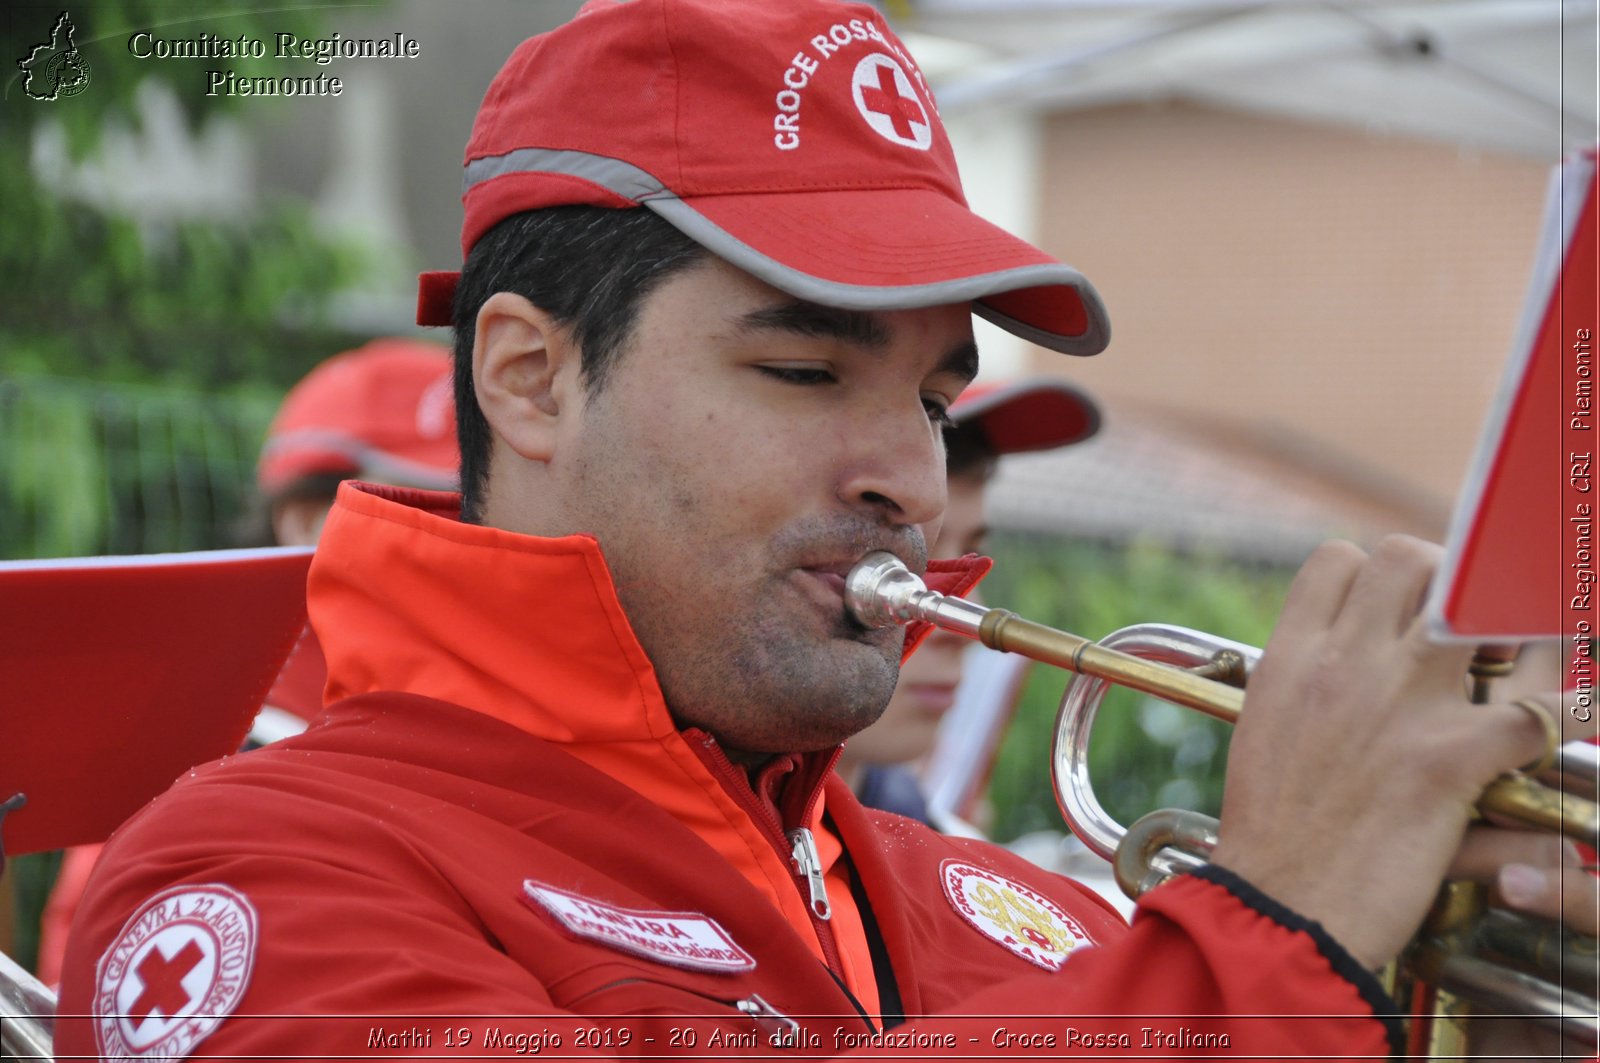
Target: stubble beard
762,683
737,652
772,674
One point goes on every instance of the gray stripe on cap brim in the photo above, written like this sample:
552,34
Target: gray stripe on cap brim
370,462
1092,342
630,182
614,175
903,296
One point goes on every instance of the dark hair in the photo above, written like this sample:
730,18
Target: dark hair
968,452
588,267
255,528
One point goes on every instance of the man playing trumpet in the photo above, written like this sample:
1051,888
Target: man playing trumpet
573,786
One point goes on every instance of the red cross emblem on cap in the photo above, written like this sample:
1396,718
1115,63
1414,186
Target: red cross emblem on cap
885,98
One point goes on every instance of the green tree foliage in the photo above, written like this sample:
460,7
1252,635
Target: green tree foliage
197,301
1144,754
159,333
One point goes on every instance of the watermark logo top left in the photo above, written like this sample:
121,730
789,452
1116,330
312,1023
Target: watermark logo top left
55,68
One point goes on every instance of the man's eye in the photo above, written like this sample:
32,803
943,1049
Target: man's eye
938,413
793,374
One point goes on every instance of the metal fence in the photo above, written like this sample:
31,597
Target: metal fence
88,467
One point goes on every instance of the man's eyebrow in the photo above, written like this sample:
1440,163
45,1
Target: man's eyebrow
855,327
961,360
825,322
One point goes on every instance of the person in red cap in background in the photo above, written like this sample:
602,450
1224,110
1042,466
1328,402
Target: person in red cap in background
574,786
383,412
988,421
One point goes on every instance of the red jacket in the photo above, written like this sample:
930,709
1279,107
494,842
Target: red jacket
558,862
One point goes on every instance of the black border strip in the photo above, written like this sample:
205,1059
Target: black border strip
1343,964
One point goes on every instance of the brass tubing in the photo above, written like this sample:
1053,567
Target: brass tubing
1510,993
881,591
1513,796
1540,943
1004,630
1519,798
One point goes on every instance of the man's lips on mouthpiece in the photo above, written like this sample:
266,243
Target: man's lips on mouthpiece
829,577
824,584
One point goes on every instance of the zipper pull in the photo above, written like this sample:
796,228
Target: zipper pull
781,1031
808,863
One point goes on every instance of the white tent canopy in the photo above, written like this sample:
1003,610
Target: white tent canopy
1507,75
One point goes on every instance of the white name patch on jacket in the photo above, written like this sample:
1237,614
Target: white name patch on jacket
681,939
1012,915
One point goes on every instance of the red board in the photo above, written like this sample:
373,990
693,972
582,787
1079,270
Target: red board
1520,563
121,673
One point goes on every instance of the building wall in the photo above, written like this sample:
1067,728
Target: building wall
1360,289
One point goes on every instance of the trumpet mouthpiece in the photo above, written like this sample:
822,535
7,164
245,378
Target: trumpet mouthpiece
874,586
880,591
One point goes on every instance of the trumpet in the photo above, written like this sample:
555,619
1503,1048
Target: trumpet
27,1014
1493,959
27,1006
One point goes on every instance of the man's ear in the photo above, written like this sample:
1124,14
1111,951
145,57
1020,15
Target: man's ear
524,366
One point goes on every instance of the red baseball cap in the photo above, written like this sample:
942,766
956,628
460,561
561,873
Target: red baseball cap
1039,413
384,410
796,140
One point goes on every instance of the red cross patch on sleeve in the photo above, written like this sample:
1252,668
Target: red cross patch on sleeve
178,967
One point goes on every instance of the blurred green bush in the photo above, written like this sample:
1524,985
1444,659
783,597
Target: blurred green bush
140,353
1145,754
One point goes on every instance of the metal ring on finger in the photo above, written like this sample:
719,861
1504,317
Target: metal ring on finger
1552,734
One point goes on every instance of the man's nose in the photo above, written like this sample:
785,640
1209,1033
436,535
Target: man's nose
895,468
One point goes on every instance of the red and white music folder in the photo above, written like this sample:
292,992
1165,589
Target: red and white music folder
1520,554
121,673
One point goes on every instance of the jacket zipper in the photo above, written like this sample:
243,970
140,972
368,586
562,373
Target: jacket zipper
807,862
779,1029
798,846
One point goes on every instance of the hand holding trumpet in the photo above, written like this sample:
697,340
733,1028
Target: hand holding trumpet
1351,788
1353,775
